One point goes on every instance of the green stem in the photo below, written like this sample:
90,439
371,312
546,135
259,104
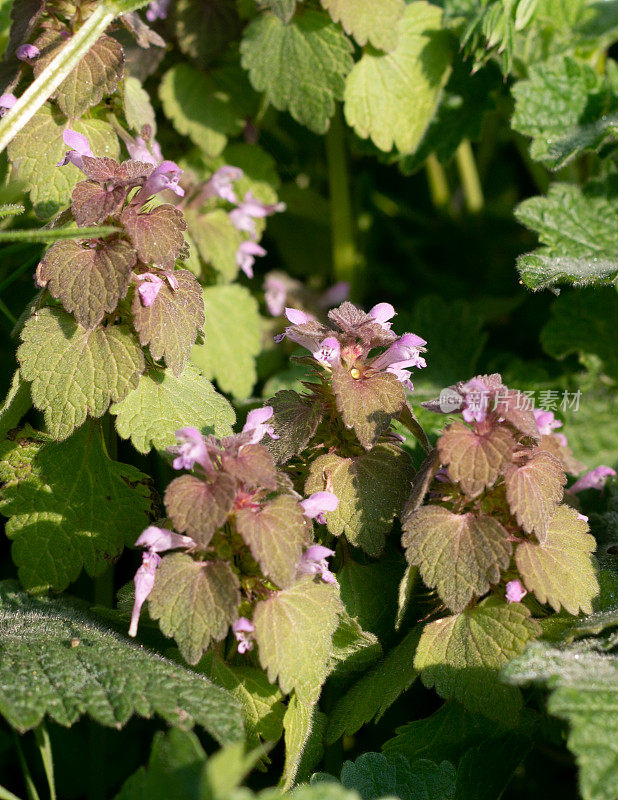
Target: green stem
60,67
6,795
469,176
345,257
438,183
41,734
5,310
31,791
69,232
537,171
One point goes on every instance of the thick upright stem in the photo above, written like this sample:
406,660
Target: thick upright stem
469,176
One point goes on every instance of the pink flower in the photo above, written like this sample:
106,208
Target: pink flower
595,479
191,450
27,52
313,562
244,630
157,10
476,400
583,517
149,287
165,176
275,293
158,540
7,101
381,313
144,581
400,356
317,504
80,147
256,427
251,209
515,592
146,152
220,184
245,256
297,317
329,352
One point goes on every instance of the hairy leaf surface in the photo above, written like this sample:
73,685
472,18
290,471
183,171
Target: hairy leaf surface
156,234
534,489
198,507
373,21
475,460
295,420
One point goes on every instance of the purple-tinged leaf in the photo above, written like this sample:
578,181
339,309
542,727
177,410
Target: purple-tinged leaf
92,203
461,555
195,602
88,281
534,489
420,484
275,535
295,421
560,570
355,322
198,507
157,234
253,466
408,418
553,444
475,460
512,406
169,326
368,404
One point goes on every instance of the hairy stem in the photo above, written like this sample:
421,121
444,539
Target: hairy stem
41,734
469,176
6,795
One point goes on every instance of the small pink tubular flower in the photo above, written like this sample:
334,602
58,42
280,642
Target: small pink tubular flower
243,631
220,184
157,10
545,421
144,581
150,285
191,450
313,562
158,540
476,400
583,517
27,52
7,101
595,479
140,150
298,317
400,357
80,147
243,217
381,313
328,352
245,256
256,424
275,293
165,176
515,592
317,504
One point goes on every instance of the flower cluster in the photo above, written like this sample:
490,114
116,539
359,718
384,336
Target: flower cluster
280,291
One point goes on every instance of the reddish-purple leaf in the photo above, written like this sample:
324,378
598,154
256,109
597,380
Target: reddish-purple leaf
253,466
552,443
89,281
170,325
475,460
295,421
275,535
93,203
512,405
354,321
197,507
157,235
534,489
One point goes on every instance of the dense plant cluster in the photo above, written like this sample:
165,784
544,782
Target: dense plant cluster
256,534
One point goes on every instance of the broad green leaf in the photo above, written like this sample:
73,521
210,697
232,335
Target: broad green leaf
561,105
138,110
70,507
299,724
205,27
584,682
295,420
36,150
391,98
194,601
156,235
15,405
593,427
217,241
459,554
88,281
368,404
374,775
95,76
578,233
198,109
198,507
460,656
371,489
300,66
284,9
75,372
353,648
169,326
294,631
369,592
485,771
233,339
376,691
373,21
162,404
559,569
475,460
323,790
57,660
533,490
582,322
275,535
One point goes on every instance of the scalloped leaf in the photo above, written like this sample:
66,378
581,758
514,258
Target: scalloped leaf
415,73
371,488
217,241
163,403
275,535
294,631
94,200
169,326
516,409
76,372
374,775
157,234
368,404
460,656
205,28
95,76
253,466
295,420
373,21
36,150
475,460
138,110
59,661
534,489
88,281
300,66
194,601
69,506
460,555
560,570
198,507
